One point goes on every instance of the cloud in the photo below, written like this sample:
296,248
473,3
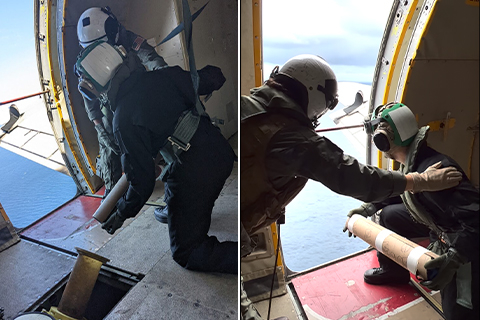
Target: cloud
345,33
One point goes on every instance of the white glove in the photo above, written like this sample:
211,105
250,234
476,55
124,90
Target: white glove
435,179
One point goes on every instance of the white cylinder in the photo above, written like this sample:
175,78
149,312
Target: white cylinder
108,204
404,252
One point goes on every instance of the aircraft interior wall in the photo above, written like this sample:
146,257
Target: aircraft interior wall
214,40
443,81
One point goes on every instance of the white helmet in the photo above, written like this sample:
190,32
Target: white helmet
96,66
315,74
97,24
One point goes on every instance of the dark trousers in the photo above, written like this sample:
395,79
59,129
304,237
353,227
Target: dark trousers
191,188
397,219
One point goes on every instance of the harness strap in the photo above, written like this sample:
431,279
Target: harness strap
179,140
180,27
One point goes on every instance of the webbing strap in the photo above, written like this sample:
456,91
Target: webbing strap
188,123
180,27
187,21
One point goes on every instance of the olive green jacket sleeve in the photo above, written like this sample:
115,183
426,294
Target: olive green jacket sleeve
299,151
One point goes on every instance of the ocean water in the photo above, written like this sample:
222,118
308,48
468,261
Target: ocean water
314,220
29,191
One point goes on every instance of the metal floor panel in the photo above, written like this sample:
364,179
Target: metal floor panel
170,292
282,306
28,271
338,291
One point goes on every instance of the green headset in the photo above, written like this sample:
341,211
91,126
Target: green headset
400,119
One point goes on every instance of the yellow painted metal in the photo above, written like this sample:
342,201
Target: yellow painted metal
4,214
59,104
273,228
90,163
441,124
426,295
393,64
474,3
412,63
398,46
379,159
57,314
257,41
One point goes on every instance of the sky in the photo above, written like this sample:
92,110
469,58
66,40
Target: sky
18,65
346,33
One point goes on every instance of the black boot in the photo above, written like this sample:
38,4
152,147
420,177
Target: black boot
388,273
380,276
161,214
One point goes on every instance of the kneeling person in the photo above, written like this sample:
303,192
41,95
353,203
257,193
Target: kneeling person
145,119
450,217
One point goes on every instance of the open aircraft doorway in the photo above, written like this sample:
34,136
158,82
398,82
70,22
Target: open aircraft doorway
414,52
139,250
33,177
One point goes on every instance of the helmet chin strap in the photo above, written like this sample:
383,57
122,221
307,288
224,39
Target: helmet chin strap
315,121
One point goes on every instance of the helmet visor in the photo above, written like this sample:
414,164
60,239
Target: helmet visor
330,92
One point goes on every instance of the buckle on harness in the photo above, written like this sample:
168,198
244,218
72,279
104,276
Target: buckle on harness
180,145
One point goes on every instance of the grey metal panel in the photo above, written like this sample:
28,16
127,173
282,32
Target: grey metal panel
28,272
443,80
452,33
215,41
154,20
139,246
439,87
170,292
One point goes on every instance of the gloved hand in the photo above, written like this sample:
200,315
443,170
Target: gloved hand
445,267
114,221
106,139
435,179
366,210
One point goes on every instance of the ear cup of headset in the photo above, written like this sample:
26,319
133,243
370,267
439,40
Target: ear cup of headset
382,141
87,89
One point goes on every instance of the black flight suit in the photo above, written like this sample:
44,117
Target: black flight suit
454,211
148,106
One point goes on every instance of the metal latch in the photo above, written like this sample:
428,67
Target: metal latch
179,144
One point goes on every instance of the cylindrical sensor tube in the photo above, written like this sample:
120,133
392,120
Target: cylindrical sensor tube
404,252
108,204
80,284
